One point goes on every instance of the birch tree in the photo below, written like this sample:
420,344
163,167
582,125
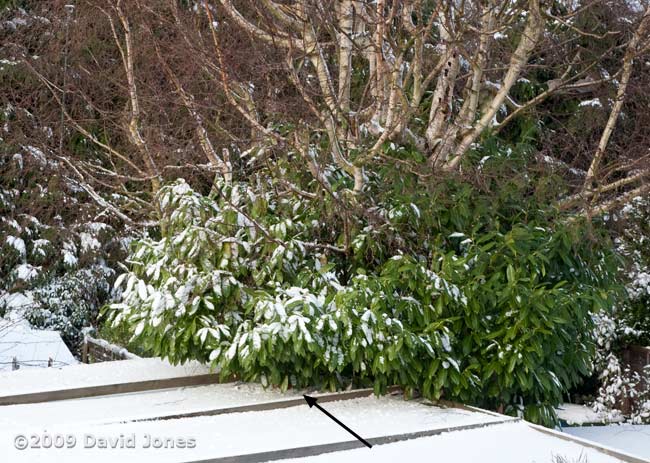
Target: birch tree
332,83
403,51
430,74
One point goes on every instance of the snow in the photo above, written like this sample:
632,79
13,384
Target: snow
249,432
239,433
18,244
88,242
39,246
574,414
593,103
97,227
504,443
31,348
481,163
17,157
69,253
26,272
96,374
119,351
37,154
142,405
16,301
634,439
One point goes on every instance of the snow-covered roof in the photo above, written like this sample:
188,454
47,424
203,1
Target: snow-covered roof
244,422
96,374
15,302
31,348
632,438
515,442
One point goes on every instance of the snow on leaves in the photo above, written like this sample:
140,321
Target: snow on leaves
231,282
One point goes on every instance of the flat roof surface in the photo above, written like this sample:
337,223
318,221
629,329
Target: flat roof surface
31,348
237,422
505,443
94,374
628,437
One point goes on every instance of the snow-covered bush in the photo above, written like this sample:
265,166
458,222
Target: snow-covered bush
65,277
621,385
248,280
635,245
70,302
54,251
67,289
234,284
630,323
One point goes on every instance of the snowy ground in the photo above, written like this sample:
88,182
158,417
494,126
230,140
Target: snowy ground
634,439
574,414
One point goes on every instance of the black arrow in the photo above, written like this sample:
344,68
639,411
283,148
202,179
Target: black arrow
311,401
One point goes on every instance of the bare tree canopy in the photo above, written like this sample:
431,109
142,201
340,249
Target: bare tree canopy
329,82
